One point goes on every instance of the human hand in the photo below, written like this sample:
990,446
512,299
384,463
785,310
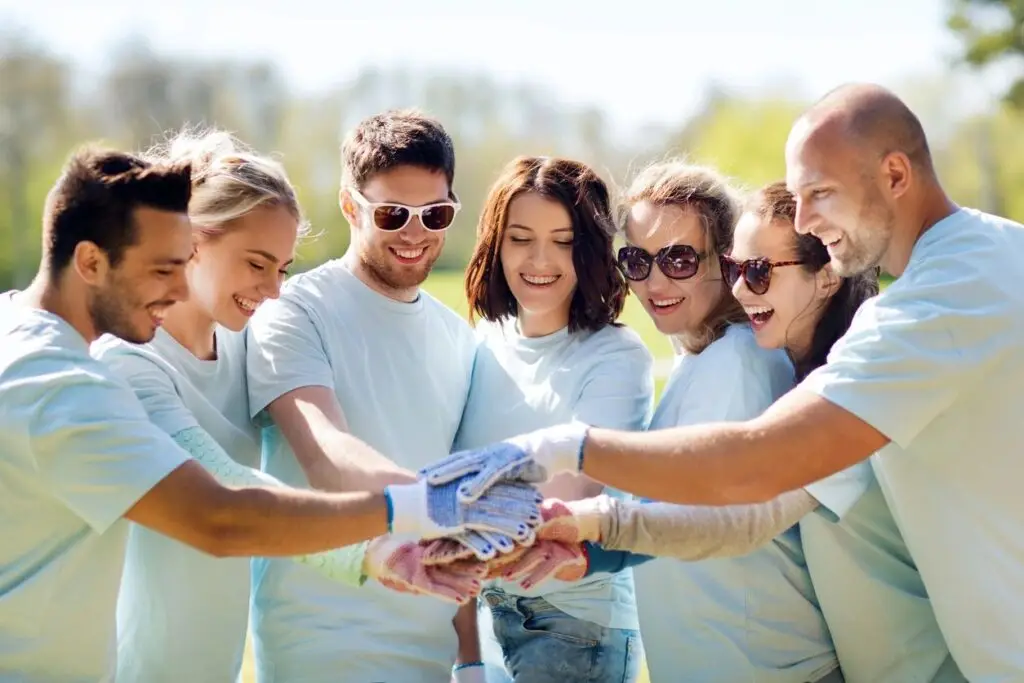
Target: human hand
429,511
397,563
533,458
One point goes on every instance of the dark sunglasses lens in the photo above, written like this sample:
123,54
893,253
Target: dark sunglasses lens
390,218
679,262
759,276
730,272
438,217
635,263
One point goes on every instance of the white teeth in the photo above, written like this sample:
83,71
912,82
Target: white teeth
540,279
247,304
410,253
665,302
755,310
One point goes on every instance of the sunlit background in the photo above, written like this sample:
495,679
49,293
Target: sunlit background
610,83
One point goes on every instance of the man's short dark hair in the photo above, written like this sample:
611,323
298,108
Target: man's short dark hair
396,138
95,198
600,287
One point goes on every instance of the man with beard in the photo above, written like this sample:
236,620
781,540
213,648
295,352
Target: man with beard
79,455
354,348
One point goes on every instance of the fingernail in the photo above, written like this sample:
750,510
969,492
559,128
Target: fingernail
526,584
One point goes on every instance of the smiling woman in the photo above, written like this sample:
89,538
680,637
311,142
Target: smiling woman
544,280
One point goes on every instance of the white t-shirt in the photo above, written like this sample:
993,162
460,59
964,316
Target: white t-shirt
750,618
183,614
401,372
936,363
77,451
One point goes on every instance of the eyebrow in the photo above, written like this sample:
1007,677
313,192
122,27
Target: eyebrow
526,227
170,261
267,255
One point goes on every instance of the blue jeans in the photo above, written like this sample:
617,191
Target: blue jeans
543,644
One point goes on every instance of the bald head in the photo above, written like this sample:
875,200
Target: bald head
871,119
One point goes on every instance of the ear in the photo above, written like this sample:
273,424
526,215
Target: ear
91,263
898,172
349,209
827,282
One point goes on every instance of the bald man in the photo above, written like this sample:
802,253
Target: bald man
928,383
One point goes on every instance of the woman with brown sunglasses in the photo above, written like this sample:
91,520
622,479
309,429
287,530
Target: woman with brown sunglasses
744,618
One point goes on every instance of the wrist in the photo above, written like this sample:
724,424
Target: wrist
406,507
469,672
591,515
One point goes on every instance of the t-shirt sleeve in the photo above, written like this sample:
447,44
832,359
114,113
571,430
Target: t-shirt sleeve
95,447
619,392
913,349
154,389
284,352
839,492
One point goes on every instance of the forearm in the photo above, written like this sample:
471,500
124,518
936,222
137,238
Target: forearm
696,532
313,424
802,438
465,627
277,522
342,564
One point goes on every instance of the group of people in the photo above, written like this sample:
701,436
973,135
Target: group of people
195,445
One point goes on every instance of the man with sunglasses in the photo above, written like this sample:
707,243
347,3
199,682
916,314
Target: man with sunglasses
927,381
354,348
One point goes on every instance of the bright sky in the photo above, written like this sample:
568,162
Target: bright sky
641,60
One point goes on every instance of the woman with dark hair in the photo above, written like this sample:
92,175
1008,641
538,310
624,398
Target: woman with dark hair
544,281
866,583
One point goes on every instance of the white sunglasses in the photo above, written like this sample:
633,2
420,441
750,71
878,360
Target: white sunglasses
391,216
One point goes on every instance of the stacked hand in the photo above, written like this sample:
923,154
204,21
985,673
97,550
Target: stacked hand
479,516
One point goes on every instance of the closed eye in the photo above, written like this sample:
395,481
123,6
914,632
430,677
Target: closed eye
256,266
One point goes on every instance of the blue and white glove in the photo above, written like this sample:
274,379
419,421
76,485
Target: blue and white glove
427,511
533,458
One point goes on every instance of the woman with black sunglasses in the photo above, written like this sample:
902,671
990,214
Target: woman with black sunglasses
721,620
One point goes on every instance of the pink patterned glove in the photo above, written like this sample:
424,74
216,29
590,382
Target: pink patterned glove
541,561
398,564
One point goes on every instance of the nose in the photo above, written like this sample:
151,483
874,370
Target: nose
270,288
657,281
178,290
413,232
805,218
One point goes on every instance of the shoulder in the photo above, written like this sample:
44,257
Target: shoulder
457,327
130,361
737,358
616,344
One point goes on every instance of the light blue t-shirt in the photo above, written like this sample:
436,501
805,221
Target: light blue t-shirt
401,372
182,614
870,591
77,451
521,384
936,363
750,618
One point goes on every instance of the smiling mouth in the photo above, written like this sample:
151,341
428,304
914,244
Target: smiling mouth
663,306
760,315
539,280
408,255
248,306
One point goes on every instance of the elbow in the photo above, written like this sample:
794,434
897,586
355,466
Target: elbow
219,529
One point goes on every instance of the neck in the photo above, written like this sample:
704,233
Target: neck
356,266
193,328
541,324
932,207
55,296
